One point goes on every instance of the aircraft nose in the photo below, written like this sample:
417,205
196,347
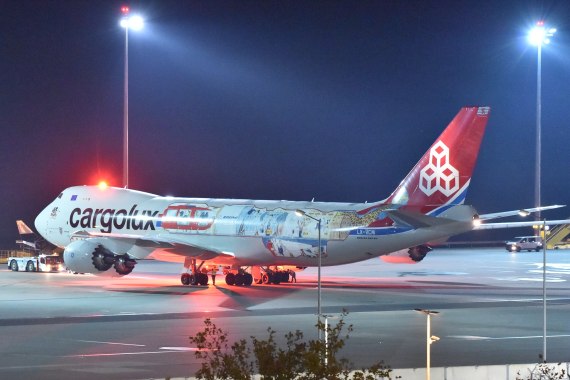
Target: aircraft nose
41,222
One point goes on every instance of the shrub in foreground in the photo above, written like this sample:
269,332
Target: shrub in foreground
297,360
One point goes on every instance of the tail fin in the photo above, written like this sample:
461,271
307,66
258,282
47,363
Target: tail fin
23,228
441,177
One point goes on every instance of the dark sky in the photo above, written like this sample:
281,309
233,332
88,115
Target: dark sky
334,100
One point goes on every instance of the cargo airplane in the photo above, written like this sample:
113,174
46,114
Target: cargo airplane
106,230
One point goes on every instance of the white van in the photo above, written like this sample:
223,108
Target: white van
529,243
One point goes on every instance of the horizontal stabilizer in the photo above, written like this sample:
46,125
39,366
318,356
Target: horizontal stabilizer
28,243
414,219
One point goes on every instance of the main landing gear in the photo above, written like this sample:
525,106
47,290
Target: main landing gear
258,275
196,277
234,277
241,278
191,279
273,277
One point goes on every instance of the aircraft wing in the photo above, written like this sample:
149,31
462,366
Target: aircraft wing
160,246
481,225
521,212
492,226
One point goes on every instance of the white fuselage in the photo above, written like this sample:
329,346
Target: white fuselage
236,232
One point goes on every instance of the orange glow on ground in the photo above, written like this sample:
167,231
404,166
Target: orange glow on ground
102,185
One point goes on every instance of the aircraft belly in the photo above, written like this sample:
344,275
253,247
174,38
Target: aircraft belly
359,248
244,249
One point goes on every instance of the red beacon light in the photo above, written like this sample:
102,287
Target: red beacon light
125,10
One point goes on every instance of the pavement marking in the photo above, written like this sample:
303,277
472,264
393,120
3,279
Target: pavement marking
40,366
181,349
548,299
120,354
475,337
120,344
532,279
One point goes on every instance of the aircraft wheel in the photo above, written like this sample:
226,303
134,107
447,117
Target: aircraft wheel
230,279
185,278
248,279
265,279
203,279
276,279
30,267
239,280
14,265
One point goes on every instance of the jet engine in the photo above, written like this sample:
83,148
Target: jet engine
84,256
411,255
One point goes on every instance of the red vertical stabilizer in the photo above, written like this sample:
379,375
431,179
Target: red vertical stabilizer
442,175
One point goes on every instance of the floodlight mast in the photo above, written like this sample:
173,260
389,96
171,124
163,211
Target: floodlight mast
538,36
136,23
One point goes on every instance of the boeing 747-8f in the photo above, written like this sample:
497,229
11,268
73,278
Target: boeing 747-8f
105,231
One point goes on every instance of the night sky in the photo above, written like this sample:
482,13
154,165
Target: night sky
332,100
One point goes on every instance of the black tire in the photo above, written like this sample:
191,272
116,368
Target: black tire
202,279
248,279
239,280
230,279
518,249
284,276
14,265
265,279
30,267
185,279
537,249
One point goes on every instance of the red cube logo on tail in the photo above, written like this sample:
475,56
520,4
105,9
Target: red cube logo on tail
439,174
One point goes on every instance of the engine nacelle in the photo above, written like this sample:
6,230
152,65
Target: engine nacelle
85,256
411,255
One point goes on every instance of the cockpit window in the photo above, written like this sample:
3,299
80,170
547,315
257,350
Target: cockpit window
59,196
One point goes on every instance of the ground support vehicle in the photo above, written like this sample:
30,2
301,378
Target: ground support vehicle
40,263
522,243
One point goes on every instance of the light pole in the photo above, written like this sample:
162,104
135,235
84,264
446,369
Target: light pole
539,36
318,220
133,22
429,338
544,229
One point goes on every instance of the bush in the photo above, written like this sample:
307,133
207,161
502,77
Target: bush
544,371
299,360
